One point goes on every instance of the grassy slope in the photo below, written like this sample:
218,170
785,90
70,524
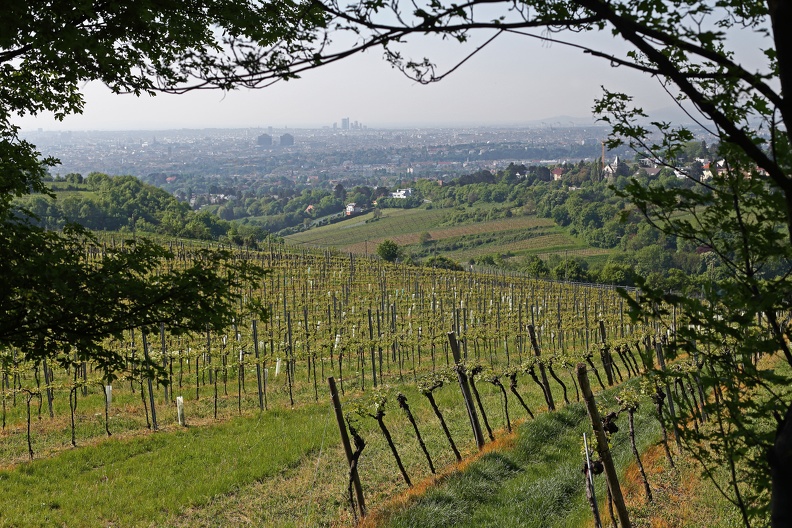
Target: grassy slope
286,468
357,230
537,483
523,235
138,481
280,468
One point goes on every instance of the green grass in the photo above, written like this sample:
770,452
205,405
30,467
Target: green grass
286,467
279,468
537,483
394,222
517,236
141,481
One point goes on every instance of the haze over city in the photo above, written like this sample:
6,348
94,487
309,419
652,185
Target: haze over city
514,81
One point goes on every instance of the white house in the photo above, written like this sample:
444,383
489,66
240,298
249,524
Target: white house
610,169
402,193
352,208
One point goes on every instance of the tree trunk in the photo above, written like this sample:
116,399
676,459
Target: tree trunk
481,408
563,385
781,474
386,433
513,388
402,399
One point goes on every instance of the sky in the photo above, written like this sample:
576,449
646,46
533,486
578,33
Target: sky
515,81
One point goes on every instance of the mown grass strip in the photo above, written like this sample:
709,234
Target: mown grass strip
135,482
537,483
356,230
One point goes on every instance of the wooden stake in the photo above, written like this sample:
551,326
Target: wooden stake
150,387
463,384
602,446
347,446
258,366
545,383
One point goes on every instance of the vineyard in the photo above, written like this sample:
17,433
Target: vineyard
387,334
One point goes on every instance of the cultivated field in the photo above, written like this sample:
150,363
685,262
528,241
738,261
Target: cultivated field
356,231
517,236
261,444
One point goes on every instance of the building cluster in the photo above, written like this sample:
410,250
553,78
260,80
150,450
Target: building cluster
402,193
265,140
347,125
315,155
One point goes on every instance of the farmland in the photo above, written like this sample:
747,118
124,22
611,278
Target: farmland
261,445
353,233
517,236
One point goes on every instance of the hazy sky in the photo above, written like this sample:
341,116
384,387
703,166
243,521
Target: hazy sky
514,81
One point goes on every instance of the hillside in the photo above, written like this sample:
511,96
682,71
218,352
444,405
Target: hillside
514,238
568,223
261,446
126,204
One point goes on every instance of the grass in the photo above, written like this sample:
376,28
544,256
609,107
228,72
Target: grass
256,469
537,483
683,498
283,467
357,230
518,236
140,481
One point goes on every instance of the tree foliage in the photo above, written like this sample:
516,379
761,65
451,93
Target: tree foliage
58,304
389,250
62,295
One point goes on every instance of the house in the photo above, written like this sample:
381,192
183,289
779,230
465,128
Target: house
706,171
309,209
557,173
609,170
353,208
402,193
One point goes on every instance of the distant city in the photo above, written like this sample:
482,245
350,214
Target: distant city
303,155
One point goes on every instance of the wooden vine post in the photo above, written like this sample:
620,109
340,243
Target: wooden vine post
542,373
347,446
466,395
150,387
169,386
602,446
258,366
605,355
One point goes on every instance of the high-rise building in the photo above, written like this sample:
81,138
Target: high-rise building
286,140
264,140
345,123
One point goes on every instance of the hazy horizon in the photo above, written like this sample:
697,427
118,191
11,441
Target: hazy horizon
513,82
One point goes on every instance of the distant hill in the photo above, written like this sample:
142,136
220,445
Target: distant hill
124,203
672,114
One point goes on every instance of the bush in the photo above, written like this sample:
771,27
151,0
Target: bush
389,251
